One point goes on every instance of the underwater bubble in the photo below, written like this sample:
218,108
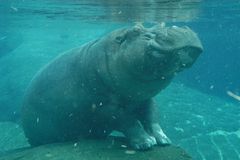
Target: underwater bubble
130,152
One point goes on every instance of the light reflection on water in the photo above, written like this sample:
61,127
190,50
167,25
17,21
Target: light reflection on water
107,10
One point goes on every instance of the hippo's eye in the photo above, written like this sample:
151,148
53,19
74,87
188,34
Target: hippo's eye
135,33
119,39
149,36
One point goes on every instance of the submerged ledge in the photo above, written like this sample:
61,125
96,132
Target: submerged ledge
110,149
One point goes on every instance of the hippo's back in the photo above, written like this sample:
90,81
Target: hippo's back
55,99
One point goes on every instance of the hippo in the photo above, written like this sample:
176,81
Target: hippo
108,84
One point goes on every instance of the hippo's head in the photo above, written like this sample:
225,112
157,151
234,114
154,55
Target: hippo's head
152,53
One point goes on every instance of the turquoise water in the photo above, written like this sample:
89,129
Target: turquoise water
197,111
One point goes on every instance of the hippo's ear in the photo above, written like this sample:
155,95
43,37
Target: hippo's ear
122,35
136,30
138,26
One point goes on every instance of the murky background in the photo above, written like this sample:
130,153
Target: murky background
200,109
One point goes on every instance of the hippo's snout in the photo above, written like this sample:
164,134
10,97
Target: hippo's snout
178,43
187,45
158,51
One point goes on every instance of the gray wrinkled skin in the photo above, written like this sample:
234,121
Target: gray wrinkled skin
108,84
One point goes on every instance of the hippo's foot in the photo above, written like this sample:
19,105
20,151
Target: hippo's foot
143,142
156,131
138,138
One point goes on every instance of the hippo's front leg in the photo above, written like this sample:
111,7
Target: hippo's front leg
138,138
134,131
149,117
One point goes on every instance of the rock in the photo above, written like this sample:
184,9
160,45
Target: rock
95,150
11,137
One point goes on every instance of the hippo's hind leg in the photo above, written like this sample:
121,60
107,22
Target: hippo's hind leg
149,117
39,130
